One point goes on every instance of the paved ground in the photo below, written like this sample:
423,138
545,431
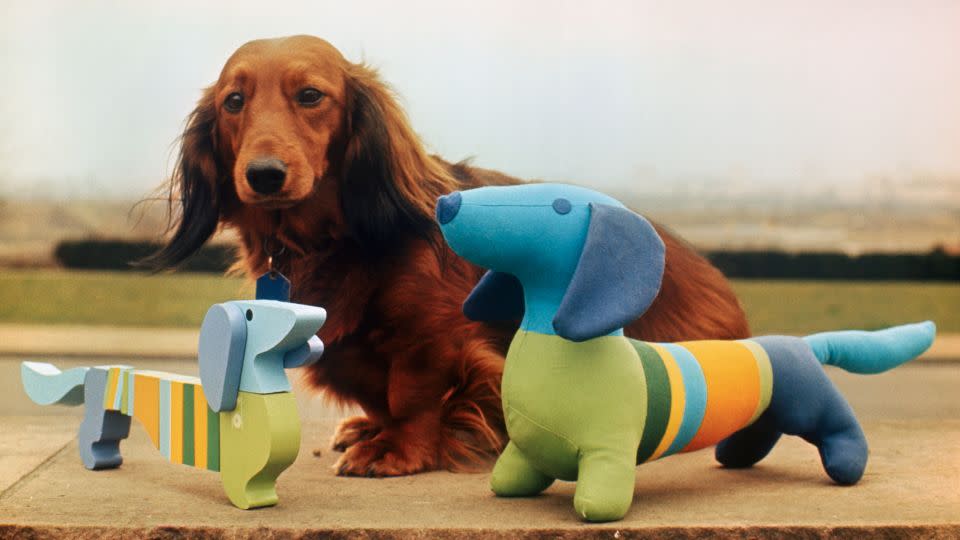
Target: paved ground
912,486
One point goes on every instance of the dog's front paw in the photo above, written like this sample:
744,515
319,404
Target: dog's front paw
379,458
353,430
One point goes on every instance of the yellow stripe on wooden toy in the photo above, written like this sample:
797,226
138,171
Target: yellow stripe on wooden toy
199,429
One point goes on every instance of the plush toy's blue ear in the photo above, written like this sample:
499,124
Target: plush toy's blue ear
223,340
617,278
497,297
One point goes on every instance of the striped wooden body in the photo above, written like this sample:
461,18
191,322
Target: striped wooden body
173,410
700,392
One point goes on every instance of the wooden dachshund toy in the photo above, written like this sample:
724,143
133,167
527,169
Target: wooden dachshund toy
240,416
582,402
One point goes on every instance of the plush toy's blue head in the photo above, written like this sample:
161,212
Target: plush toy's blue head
572,261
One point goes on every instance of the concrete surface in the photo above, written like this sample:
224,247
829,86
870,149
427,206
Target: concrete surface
911,488
100,341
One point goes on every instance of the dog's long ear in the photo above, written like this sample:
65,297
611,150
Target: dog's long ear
389,184
193,189
223,340
498,296
617,278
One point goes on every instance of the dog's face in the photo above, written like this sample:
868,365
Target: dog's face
280,108
524,230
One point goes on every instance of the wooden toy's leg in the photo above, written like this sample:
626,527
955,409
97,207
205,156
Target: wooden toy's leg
515,476
259,439
605,482
101,430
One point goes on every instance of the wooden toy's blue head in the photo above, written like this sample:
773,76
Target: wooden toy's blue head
573,262
246,345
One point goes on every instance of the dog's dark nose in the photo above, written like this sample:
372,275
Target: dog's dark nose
448,206
266,176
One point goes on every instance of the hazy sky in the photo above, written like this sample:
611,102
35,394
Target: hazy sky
624,93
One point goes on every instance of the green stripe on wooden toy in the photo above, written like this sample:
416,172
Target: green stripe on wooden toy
188,434
213,438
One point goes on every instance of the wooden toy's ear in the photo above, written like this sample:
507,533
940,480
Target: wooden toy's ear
223,340
497,297
617,278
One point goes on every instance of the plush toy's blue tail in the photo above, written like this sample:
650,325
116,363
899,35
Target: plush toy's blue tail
872,352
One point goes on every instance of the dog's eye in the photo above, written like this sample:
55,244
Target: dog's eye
309,97
234,102
561,206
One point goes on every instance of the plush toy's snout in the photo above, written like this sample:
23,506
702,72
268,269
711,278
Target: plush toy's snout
448,206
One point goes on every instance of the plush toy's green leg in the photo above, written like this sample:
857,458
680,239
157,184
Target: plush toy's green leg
605,481
258,441
515,476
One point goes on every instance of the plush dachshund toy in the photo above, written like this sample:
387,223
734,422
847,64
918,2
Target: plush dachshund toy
582,402
242,421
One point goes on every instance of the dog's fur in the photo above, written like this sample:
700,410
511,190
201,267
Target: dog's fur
355,219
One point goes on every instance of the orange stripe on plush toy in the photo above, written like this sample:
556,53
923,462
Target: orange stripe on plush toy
677,400
733,389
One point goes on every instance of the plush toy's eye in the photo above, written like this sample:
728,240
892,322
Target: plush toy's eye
561,206
249,314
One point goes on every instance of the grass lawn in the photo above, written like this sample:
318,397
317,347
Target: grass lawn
113,298
803,307
180,300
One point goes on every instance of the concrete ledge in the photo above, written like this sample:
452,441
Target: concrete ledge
107,342
910,489
949,532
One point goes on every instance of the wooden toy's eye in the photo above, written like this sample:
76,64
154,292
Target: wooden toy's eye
249,314
561,206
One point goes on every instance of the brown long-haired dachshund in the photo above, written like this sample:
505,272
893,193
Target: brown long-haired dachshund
296,147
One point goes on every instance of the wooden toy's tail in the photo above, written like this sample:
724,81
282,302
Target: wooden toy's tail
47,385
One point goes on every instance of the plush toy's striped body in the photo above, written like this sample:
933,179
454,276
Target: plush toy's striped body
700,392
172,409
